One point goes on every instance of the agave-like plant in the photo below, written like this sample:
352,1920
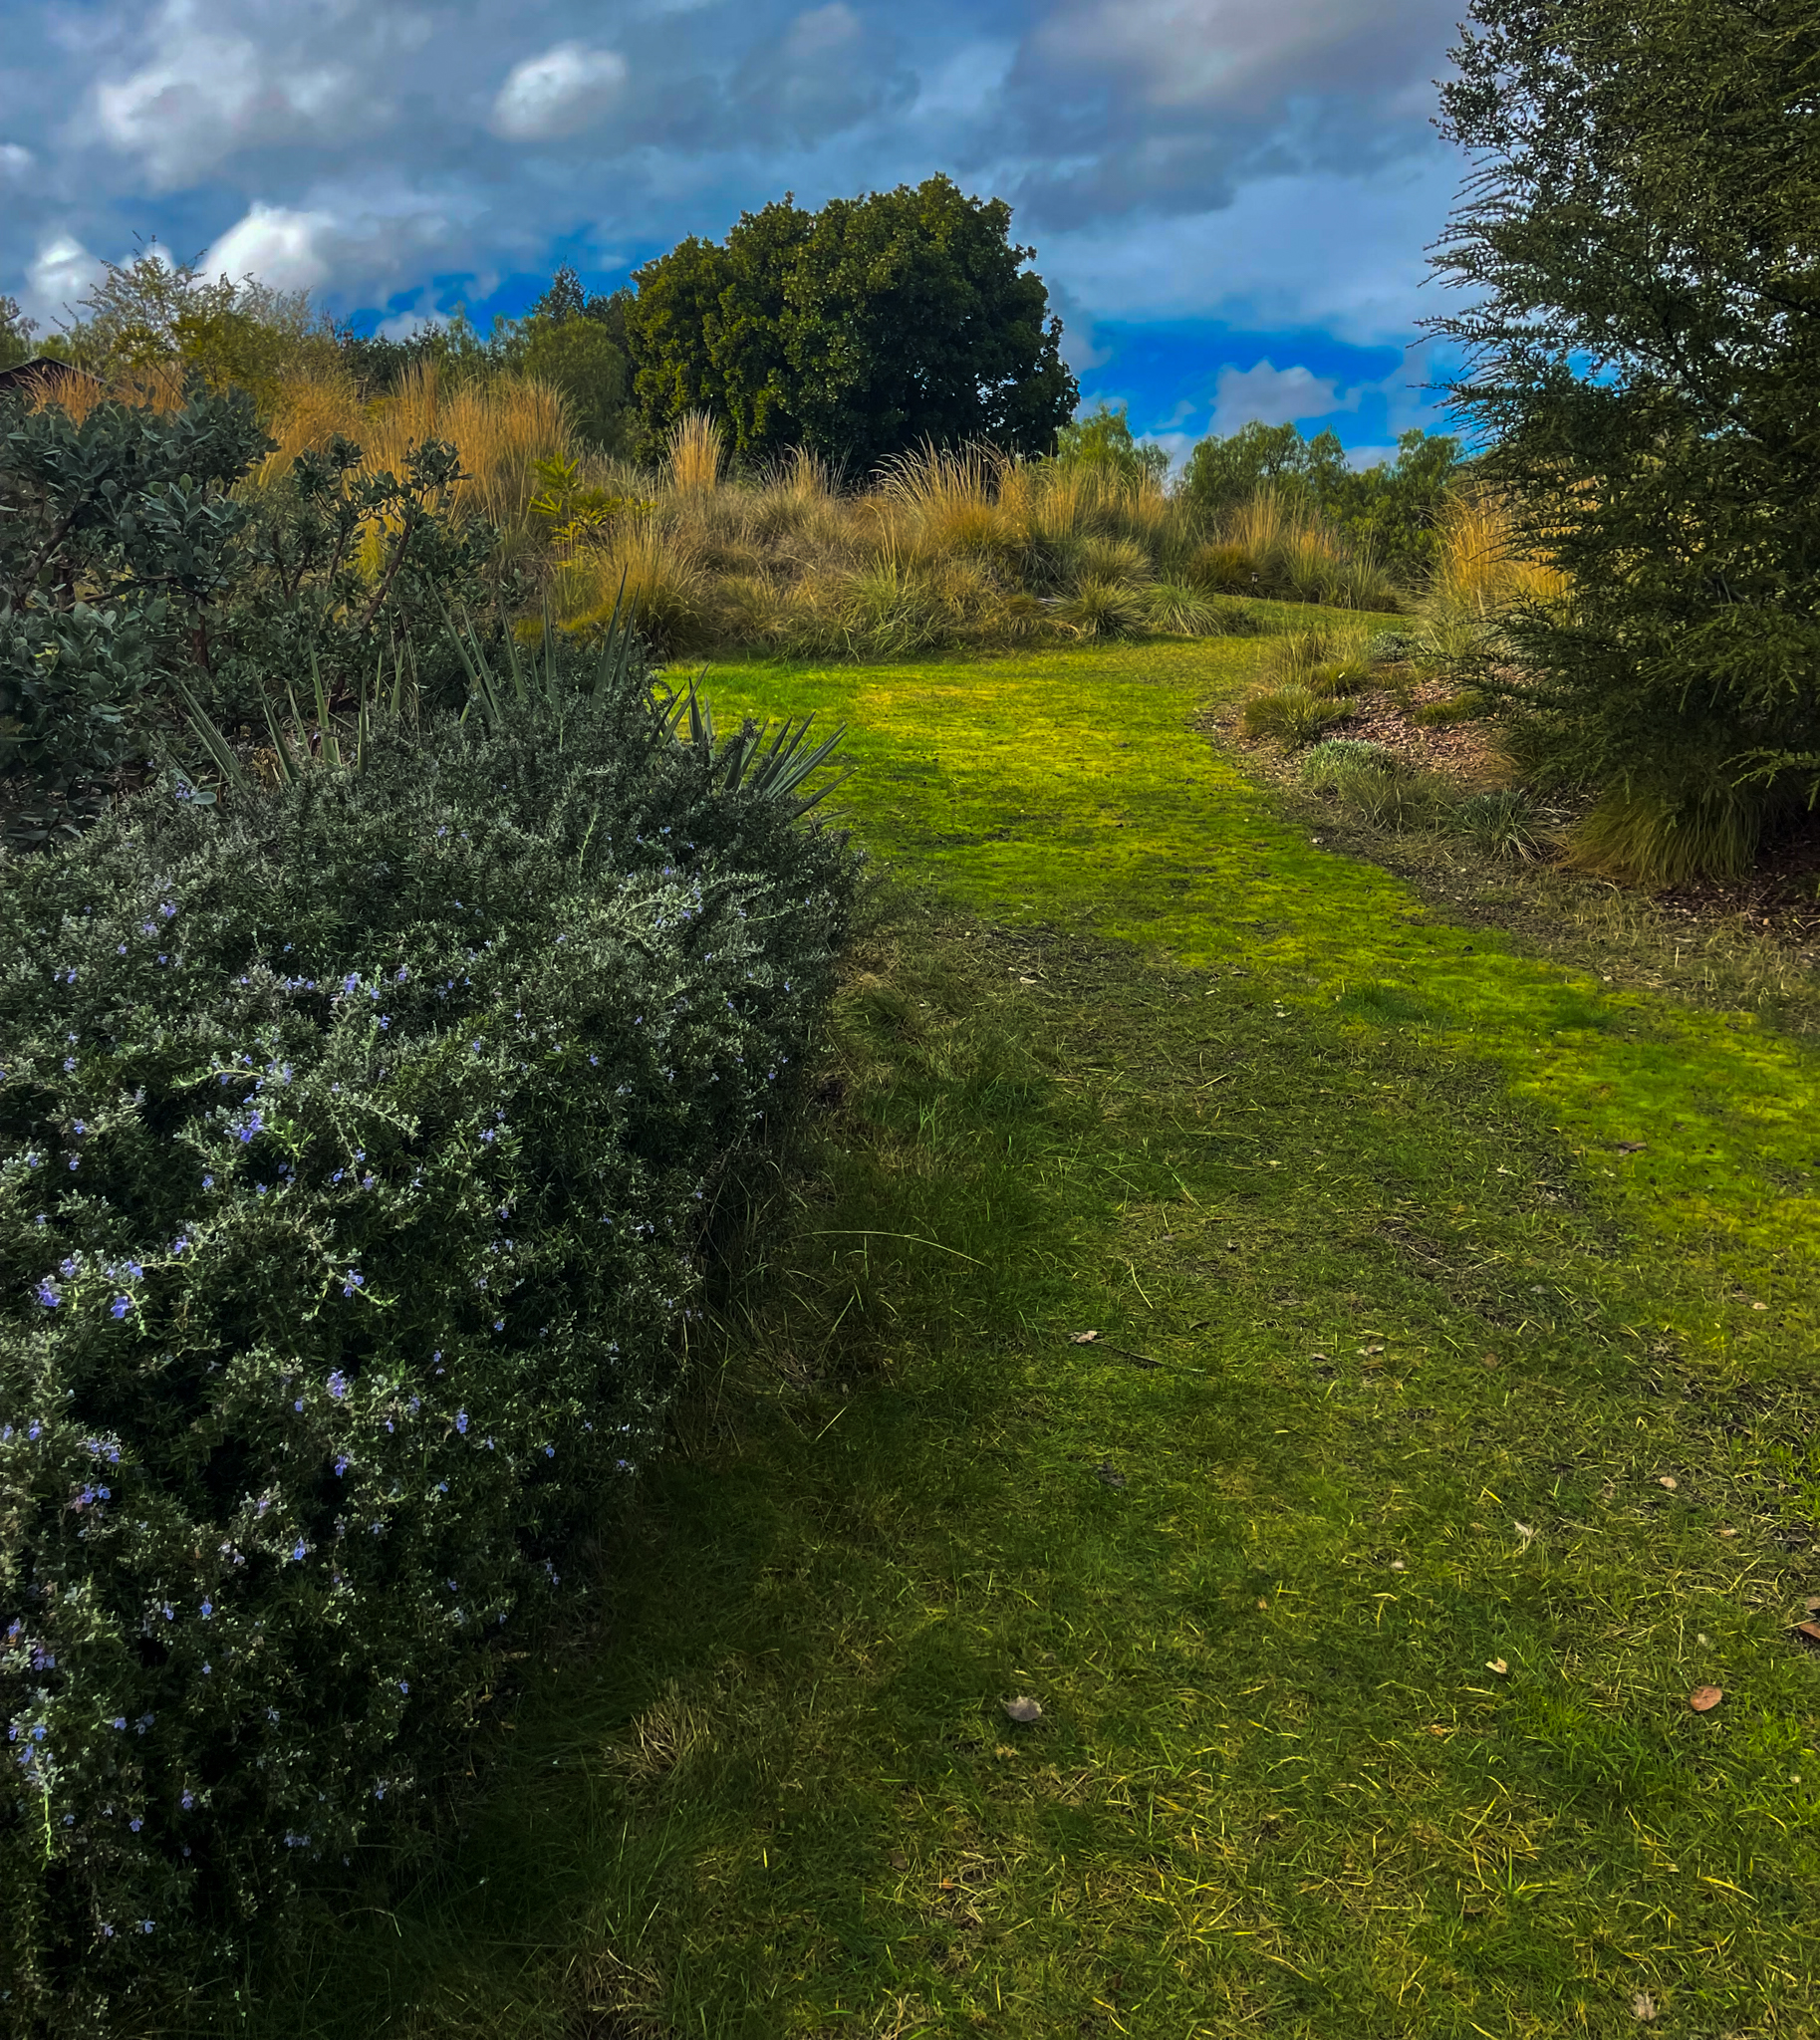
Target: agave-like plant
324,741
767,764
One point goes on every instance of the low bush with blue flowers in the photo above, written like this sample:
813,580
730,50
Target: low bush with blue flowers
354,1141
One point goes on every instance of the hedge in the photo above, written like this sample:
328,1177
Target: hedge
353,1146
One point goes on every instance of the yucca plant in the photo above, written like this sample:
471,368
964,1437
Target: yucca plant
765,763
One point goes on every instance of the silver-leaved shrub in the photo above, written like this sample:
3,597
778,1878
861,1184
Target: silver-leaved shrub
353,1146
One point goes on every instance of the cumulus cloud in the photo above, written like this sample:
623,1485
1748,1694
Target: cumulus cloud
826,73
62,274
219,78
1328,249
291,251
1170,105
567,89
1269,396
1265,164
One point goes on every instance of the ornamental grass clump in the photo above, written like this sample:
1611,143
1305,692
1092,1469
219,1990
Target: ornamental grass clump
353,1144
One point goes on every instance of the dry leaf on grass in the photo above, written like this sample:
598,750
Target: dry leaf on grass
1023,1710
1496,1665
1808,1632
1082,1338
1703,1699
1813,1604
1643,2005
1666,1480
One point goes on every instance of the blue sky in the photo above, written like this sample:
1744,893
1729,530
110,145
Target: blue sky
1229,199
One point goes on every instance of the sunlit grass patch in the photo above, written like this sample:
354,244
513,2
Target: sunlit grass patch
1341,1559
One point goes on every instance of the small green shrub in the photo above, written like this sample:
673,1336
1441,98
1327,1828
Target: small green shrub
1390,647
1117,562
1105,609
1341,679
1645,837
1465,707
1187,612
1224,570
1326,765
1293,715
353,1141
1502,824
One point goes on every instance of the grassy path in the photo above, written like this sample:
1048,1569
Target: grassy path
1431,1451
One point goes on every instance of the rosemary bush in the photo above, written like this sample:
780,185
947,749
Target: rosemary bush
353,1141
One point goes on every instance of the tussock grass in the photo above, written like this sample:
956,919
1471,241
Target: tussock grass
502,429
1395,1348
943,548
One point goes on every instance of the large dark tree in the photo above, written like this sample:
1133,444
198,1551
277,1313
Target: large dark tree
858,330
1640,245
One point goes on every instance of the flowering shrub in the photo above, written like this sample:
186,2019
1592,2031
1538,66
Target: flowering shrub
351,1143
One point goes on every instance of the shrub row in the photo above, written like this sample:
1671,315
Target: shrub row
353,1141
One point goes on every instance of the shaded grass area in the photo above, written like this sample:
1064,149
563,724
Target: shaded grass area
1394,1384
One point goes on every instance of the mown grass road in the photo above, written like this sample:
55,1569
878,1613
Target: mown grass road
1433,1449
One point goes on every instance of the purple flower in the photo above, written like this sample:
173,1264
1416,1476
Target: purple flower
209,1183
189,1799
119,1305
462,1421
338,1385
45,1292
341,1464
300,1552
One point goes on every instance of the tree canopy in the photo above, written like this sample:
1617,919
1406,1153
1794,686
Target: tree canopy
1389,510
1641,246
857,332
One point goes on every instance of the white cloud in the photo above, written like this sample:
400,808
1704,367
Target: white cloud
1205,54
1267,395
560,93
261,75
62,274
291,251
1344,253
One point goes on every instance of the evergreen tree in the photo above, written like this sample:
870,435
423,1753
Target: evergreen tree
1641,249
858,332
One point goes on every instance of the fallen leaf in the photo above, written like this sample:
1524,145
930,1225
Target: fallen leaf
898,1861
1022,1710
1729,1533
1317,1356
1369,1351
1632,1147
1813,1604
1439,1728
1643,2005
1496,1665
1808,1632
1082,1338
1263,1604
1524,1530
1703,1699
1488,1360
1759,1306
1108,1473
1666,1480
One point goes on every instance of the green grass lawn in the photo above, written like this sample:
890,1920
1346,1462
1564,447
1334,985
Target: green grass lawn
1437,1441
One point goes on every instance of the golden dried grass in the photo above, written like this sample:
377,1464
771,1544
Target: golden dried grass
501,427
698,453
